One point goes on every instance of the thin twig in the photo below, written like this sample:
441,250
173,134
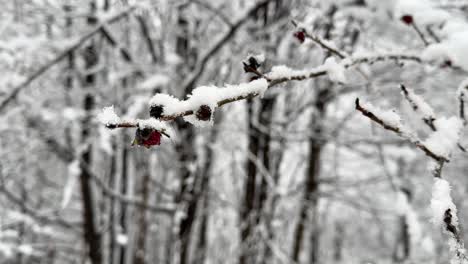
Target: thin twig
319,41
398,131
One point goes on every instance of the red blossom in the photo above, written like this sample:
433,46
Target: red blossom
407,19
154,139
147,137
300,35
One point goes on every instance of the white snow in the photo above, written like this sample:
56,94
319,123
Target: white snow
25,249
445,139
74,172
207,95
336,71
171,104
152,123
389,117
284,72
108,116
441,201
422,107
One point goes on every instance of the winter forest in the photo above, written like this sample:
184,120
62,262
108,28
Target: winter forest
233,131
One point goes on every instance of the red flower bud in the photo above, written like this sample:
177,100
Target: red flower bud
407,19
300,35
147,137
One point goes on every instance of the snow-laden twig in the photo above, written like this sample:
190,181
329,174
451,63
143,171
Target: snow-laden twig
421,107
389,122
438,146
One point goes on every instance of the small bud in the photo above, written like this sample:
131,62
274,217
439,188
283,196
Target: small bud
251,65
447,63
407,19
203,113
156,111
300,35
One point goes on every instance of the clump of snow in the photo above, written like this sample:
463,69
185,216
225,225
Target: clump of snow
171,105
74,172
155,81
152,123
284,72
441,201
389,117
205,95
445,139
336,71
108,116
209,96
258,86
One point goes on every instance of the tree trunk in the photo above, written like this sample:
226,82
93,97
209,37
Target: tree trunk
91,235
310,197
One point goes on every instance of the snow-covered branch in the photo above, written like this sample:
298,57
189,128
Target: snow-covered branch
391,121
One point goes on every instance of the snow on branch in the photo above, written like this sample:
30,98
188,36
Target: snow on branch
444,215
438,146
446,131
391,121
420,106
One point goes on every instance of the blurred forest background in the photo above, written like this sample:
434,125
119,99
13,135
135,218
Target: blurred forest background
298,176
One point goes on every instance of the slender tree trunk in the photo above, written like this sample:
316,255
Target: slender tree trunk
139,257
91,235
310,197
187,154
123,207
248,205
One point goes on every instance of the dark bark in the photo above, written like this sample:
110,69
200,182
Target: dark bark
123,207
186,154
91,235
139,257
310,197
248,204
147,35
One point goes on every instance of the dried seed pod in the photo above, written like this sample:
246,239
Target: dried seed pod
203,113
156,111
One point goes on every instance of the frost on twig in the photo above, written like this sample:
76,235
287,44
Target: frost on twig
451,127
444,215
391,121
419,106
439,146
